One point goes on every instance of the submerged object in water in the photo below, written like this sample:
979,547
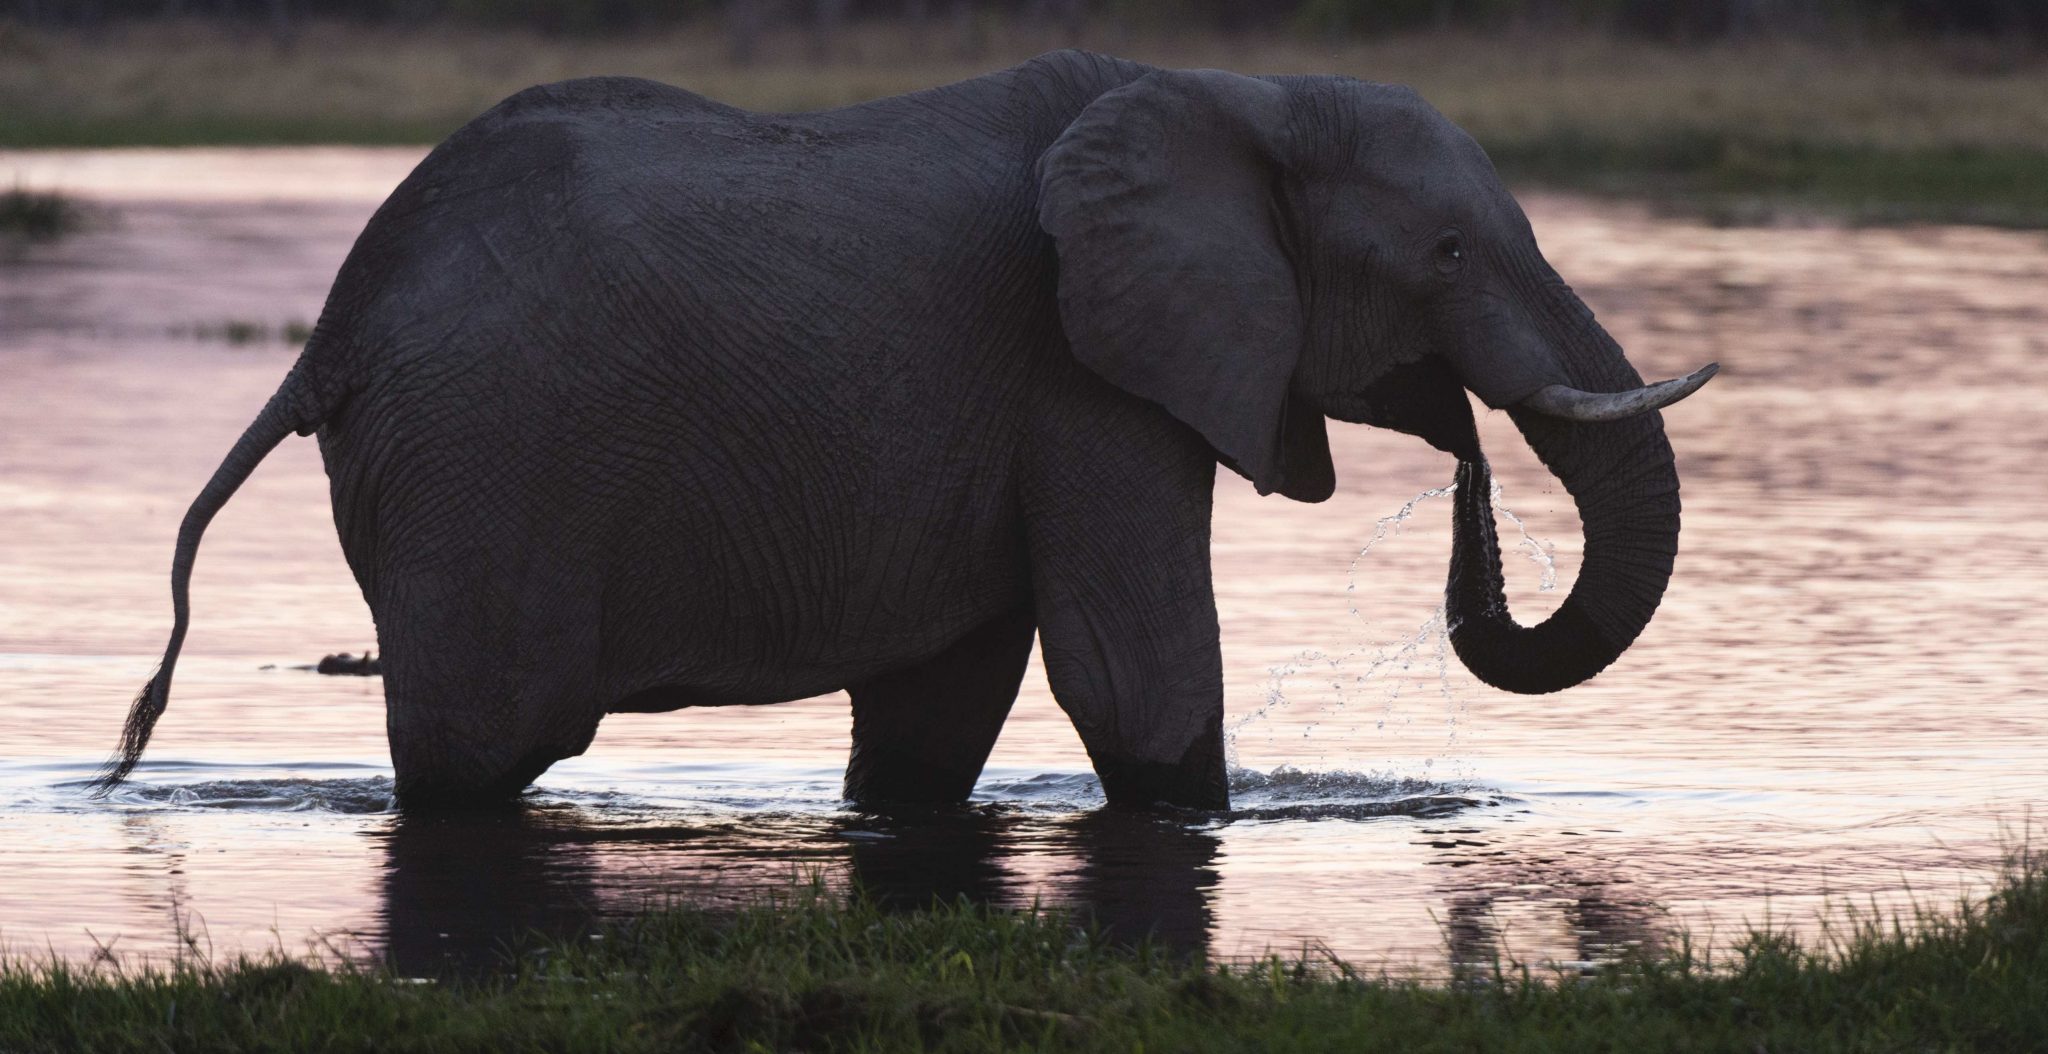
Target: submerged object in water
345,664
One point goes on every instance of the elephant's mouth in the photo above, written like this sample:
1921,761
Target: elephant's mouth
1424,398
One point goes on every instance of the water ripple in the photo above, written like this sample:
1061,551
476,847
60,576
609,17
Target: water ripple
352,796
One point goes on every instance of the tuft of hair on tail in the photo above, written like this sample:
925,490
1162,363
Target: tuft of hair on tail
142,715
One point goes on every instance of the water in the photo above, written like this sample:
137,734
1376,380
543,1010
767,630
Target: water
1840,702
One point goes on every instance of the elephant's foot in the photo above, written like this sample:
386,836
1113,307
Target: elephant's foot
921,734
480,698
1196,781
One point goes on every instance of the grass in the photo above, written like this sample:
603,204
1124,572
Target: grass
812,973
38,216
1872,128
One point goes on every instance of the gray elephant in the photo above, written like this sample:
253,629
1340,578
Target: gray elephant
633,401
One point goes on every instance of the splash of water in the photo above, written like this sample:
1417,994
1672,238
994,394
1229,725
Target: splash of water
292,794
1288,793
1387,664
1399,656
1542,553
1391,525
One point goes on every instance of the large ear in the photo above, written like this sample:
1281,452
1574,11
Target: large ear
1174,281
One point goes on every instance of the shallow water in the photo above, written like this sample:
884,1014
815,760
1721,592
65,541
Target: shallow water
1840,702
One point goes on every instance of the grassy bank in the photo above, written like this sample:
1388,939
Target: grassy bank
813,974
1883,130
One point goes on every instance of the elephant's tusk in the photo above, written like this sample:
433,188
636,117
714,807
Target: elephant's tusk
1572,404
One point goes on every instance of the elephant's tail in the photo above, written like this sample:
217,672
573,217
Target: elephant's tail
289,410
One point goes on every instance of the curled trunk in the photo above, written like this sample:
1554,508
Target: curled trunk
1621,476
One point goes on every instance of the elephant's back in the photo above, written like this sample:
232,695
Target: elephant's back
624,208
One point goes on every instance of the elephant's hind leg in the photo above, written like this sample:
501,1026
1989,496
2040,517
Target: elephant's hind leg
481,698
922,734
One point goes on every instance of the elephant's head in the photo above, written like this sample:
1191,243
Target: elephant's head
1257,254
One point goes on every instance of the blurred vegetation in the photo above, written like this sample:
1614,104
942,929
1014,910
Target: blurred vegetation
1876,110
1670,20
1692,20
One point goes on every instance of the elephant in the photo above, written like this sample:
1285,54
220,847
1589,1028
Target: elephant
630,400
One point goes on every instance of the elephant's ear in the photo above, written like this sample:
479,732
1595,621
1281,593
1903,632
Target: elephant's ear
1174,282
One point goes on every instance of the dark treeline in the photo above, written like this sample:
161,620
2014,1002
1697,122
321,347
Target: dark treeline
1671,20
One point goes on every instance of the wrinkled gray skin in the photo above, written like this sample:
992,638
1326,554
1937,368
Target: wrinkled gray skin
634,401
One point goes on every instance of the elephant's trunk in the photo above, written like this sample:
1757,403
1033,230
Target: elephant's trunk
1622,477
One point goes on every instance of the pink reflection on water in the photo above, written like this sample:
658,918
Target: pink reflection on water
1840,697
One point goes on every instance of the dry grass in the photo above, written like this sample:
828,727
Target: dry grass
419,83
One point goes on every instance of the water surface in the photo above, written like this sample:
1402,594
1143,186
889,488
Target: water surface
1840,701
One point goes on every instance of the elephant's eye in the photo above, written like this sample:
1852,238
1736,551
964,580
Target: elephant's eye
1450,252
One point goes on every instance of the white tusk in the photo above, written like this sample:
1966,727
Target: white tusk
1572,404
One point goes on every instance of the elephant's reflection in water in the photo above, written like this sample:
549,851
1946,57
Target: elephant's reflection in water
1134,875
1542,907
460,890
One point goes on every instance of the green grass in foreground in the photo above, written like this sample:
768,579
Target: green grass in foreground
813,974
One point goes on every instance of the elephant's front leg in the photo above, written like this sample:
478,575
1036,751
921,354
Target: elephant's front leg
1119,543
921,734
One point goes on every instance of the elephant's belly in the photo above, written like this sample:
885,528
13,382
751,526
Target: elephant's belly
818,615
754,669
792,580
